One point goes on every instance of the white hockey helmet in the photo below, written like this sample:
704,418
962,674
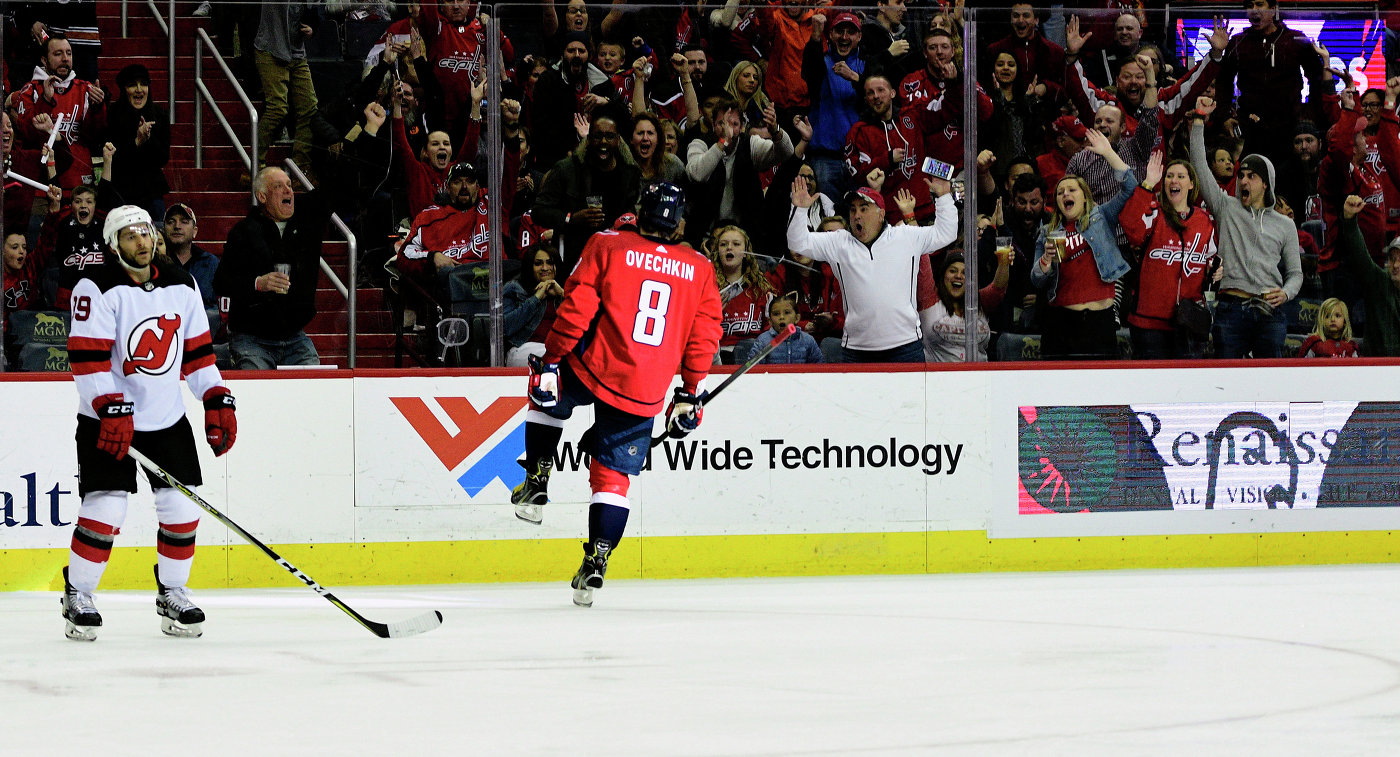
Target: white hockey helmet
122,217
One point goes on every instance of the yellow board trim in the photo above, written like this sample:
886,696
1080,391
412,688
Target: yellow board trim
745,555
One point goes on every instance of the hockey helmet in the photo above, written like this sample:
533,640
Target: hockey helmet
122,217
662,205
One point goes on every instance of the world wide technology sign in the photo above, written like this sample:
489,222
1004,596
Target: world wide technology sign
1244,456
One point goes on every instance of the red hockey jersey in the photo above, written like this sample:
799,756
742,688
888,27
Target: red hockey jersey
944,103
1174,264
633,310
80,119
459,55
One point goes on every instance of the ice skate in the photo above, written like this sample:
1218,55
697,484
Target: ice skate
178,614
529,497
80,613
590,573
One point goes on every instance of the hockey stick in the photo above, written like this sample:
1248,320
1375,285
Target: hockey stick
410,627
705,397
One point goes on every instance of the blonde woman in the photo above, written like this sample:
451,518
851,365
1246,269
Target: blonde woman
745,85
1080,263
743,288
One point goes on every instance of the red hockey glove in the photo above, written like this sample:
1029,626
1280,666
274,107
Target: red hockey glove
220,424
118,424
684,414
544,382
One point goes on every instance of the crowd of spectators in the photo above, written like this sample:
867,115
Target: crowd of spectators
1150,201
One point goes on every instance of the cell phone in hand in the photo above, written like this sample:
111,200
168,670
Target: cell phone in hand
938,169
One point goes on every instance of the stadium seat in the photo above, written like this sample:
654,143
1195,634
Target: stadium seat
1013,347
1301,313
37,357
38,326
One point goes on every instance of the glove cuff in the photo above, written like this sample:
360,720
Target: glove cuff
112,406
218,398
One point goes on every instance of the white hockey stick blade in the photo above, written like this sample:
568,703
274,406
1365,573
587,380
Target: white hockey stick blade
413,626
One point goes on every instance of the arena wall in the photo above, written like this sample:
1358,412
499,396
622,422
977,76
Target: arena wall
378,477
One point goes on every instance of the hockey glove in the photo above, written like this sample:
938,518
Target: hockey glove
220,424
544,382
684,414
118,424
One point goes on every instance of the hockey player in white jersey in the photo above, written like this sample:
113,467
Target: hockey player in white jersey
138,328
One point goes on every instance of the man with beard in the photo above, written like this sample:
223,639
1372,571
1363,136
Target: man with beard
426,174
1036,57
444,237
181,228
268,309
1023,218
1297,182
877,265
1135,77
1268,62
1258,252
587,190
562,92
56,91
893,144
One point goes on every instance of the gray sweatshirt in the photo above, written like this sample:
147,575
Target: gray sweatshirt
1251,242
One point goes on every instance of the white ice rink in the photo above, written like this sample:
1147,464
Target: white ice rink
1278,661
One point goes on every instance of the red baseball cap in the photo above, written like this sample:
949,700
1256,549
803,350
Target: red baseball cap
846,18
866,194
1069,126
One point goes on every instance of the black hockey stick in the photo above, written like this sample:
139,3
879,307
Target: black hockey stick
410,627
705,397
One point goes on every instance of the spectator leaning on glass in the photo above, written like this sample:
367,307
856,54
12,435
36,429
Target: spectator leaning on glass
267,276
877,266
1079,263
1258,252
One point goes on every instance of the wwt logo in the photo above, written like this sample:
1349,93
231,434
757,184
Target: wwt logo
474,429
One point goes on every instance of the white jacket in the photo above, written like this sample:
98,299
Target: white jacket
878,282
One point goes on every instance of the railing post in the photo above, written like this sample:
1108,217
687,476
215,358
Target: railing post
969,219
198,102
495,213
170,65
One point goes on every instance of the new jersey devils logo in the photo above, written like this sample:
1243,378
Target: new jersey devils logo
151,346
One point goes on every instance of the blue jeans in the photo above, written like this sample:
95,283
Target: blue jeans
912,352
833,179
1241,329
1175,344
251,353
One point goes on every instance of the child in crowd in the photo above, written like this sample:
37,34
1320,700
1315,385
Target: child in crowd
21,274
1332,335
798,348
71,240
743,289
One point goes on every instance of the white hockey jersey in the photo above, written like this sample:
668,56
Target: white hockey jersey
139,340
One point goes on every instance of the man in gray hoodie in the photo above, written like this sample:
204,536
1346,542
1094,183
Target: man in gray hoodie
1258,252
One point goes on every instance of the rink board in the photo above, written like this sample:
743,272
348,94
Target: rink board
381,478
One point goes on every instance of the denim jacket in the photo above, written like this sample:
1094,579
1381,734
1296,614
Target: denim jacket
1101,232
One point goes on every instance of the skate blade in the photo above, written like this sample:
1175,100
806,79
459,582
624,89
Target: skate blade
583,597
530,513
80,633
172,628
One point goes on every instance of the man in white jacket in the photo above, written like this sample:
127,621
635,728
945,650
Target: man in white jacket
878,267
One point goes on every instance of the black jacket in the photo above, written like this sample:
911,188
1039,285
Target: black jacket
254,246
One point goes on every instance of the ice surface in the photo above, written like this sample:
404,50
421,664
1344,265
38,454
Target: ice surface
1195,662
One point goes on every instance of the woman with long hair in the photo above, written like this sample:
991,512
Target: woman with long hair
1017,126
745,85
1164,219
1080,264
945,322
650,152
140,131
743,288
530,302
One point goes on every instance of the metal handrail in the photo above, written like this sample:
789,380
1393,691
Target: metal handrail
202,42
167,28
352,254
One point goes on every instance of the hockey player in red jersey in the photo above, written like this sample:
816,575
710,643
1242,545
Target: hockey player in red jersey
138,328
634,308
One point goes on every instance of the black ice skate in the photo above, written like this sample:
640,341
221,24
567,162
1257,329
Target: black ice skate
529,497
178,614
590,573
81,614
